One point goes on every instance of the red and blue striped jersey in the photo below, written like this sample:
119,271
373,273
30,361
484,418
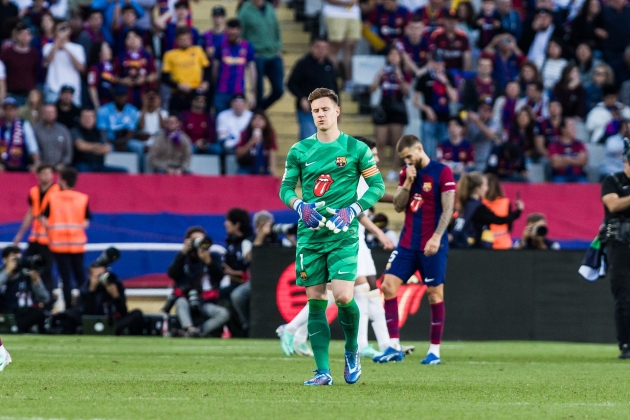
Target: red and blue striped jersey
425,204
464,152
391,25
417,52
432,20
233,60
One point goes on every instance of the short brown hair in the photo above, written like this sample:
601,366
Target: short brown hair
194,229
405,141
535,218
182,31
323,93
70,175
43,167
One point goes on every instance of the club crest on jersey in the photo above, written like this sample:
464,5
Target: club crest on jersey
416,202
426,186
303,275
322,184
341,161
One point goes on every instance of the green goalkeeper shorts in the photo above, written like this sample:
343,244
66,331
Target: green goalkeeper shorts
325,261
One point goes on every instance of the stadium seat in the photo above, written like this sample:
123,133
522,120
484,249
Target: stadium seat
536,172
595,157
125,159
365,68
231,166
580,131
362,47
205,165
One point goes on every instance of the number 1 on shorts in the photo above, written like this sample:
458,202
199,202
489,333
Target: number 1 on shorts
302,261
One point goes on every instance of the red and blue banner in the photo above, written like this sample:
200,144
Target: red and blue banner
148,214
150,211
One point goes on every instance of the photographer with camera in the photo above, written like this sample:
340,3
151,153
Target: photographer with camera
535,234
197,273
103,294
268,232
22,289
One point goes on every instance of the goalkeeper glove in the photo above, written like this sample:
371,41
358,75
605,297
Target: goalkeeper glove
342,217
309,215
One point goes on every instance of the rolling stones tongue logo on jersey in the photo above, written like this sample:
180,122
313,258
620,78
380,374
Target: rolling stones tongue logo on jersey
416,203
322,184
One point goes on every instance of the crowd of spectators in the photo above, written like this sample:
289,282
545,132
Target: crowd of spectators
137,76
522,77
513,72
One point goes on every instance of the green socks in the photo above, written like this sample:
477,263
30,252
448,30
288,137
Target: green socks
319,332
349,319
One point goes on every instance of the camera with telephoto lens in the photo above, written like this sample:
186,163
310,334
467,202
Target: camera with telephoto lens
109,256
285,228
540,230
203,244
107,278
193,300
34,262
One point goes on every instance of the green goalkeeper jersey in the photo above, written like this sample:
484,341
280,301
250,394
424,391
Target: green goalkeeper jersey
330,172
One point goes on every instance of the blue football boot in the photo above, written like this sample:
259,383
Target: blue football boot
321,378
431,359
352,371
390,355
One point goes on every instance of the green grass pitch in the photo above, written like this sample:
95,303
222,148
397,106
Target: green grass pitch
76,377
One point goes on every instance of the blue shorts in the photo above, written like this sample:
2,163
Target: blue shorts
404,262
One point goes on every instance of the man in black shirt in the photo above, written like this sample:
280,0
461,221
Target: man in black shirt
197,273
616,199
22,292
67,112
314,70
104,295
91,145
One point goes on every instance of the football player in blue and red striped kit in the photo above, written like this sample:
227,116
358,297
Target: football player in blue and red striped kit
426,193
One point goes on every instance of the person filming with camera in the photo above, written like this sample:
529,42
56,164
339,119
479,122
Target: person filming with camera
22,290
197,273
535,234
104,295
616,237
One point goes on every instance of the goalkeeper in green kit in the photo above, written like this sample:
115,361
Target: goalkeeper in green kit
328,165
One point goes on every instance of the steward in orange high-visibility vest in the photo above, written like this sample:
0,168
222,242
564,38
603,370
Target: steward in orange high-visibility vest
38,203
67,216
38,239
500,233
500,205
66,222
